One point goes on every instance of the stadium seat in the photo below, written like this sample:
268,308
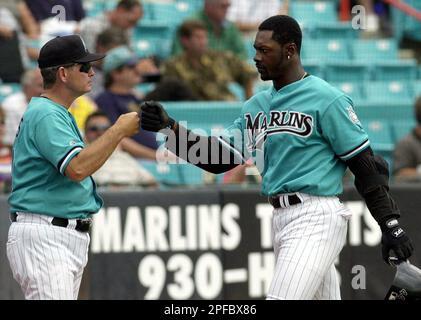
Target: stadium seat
395,70
223,113
416,89
401,128
380,134
346,72
311,12
352,89
322,50
390,92
374,50
314,68
337,30
171,14
152,39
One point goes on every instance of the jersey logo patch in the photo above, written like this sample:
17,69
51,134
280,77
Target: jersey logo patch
352,115
72,142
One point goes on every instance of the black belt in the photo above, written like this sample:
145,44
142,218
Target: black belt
82,225
292,199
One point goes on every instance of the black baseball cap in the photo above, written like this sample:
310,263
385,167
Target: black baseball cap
65,50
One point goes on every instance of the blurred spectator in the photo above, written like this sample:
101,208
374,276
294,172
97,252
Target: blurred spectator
248,14
171,89
407,154
15,105
223,35
125,16
12,45
119,96
81,108
42,9
22,13
206,72
5,159
108,39
121,169
243,174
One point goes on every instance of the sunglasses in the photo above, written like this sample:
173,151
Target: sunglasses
98,128
85,67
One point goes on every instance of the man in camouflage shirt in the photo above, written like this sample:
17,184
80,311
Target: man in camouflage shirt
206,72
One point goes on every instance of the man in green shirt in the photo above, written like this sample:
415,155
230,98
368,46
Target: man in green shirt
223,35
53,194
207,73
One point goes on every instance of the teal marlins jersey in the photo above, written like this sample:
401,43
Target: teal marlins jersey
47,140
301,135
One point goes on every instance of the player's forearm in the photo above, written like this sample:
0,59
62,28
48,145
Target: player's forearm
91,158
372,182
207,153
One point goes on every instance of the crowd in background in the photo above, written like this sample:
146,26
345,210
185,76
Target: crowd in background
208,54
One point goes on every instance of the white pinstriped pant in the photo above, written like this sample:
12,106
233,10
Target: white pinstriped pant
46,260
307,239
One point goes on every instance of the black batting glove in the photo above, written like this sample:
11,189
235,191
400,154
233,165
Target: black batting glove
396,240
154,118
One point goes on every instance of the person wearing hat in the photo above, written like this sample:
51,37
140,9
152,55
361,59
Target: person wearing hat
53,194
119,97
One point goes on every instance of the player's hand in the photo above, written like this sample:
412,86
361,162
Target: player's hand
396,240
154,117
128,124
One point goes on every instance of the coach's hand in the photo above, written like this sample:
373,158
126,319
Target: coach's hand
154,117
128,124
395,239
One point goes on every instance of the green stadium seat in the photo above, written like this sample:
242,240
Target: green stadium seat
374,50
309,13
395,70
388,92
346,72
171,14
323,50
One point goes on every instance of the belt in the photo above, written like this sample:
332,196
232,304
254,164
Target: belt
82,225
280,201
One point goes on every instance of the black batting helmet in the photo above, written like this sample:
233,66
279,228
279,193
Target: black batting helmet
407,283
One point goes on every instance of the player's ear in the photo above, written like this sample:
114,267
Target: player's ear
291,50
62,74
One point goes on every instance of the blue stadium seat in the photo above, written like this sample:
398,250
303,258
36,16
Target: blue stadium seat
401,128
374,50
337,30
311,13
416,89
346,72
352,89
152,39
388,92
314,68
395,70
322,50
380,134
171,14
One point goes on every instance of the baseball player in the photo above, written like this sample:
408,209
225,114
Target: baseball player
53,194
306,133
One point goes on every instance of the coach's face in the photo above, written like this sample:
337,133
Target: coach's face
271,57
76,80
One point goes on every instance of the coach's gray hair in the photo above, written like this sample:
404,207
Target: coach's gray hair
49,76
